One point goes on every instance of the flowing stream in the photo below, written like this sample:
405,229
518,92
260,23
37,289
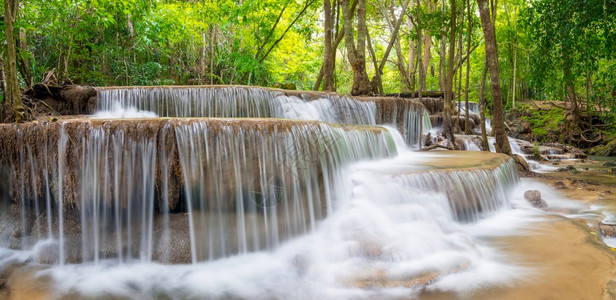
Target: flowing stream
226,197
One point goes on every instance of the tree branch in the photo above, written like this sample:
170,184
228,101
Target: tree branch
308,3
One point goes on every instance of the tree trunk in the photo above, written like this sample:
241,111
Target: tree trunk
24,64
411,64
420,64
356,54
377,83
13,94
498,125
441,66
391,21
212,43
467,126
448,103
482,109
430,7
392,40
572,96
515,53
460,54
329,54
339,36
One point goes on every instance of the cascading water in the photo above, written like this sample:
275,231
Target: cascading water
234,102
245,186
250,102
245,208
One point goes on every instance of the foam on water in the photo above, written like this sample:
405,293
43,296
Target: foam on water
277,210
119,112
394,238
385,238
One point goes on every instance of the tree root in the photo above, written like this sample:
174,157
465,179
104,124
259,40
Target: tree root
591,141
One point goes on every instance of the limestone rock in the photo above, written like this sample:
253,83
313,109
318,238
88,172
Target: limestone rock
608,230
560,185
607,150
534,197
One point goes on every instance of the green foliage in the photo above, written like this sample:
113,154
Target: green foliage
142,42
568,35
536,151
545,123
134,42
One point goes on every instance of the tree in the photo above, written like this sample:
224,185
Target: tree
356,53
12,93
498,124
329,55
448,103
467,129
570,36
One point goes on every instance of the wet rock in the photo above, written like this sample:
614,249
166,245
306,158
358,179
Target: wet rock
551,151
608,150
570,169
534,197
521,163
568,151
560,185
428,140
607,230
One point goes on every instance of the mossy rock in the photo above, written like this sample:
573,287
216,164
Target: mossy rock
607,150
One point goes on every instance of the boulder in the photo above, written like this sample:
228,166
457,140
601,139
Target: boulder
607,230
607,150
534,197
560,185
571,169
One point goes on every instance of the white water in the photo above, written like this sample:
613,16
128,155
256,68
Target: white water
119,112
382,231
352,224
470,146
252,102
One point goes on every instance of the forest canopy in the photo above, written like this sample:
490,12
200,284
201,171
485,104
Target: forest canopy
547,49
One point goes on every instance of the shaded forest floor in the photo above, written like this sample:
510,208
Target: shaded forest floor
543,122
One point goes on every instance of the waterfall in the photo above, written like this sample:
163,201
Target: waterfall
240,192
472,194
244,186
390,232
411,118
234,102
